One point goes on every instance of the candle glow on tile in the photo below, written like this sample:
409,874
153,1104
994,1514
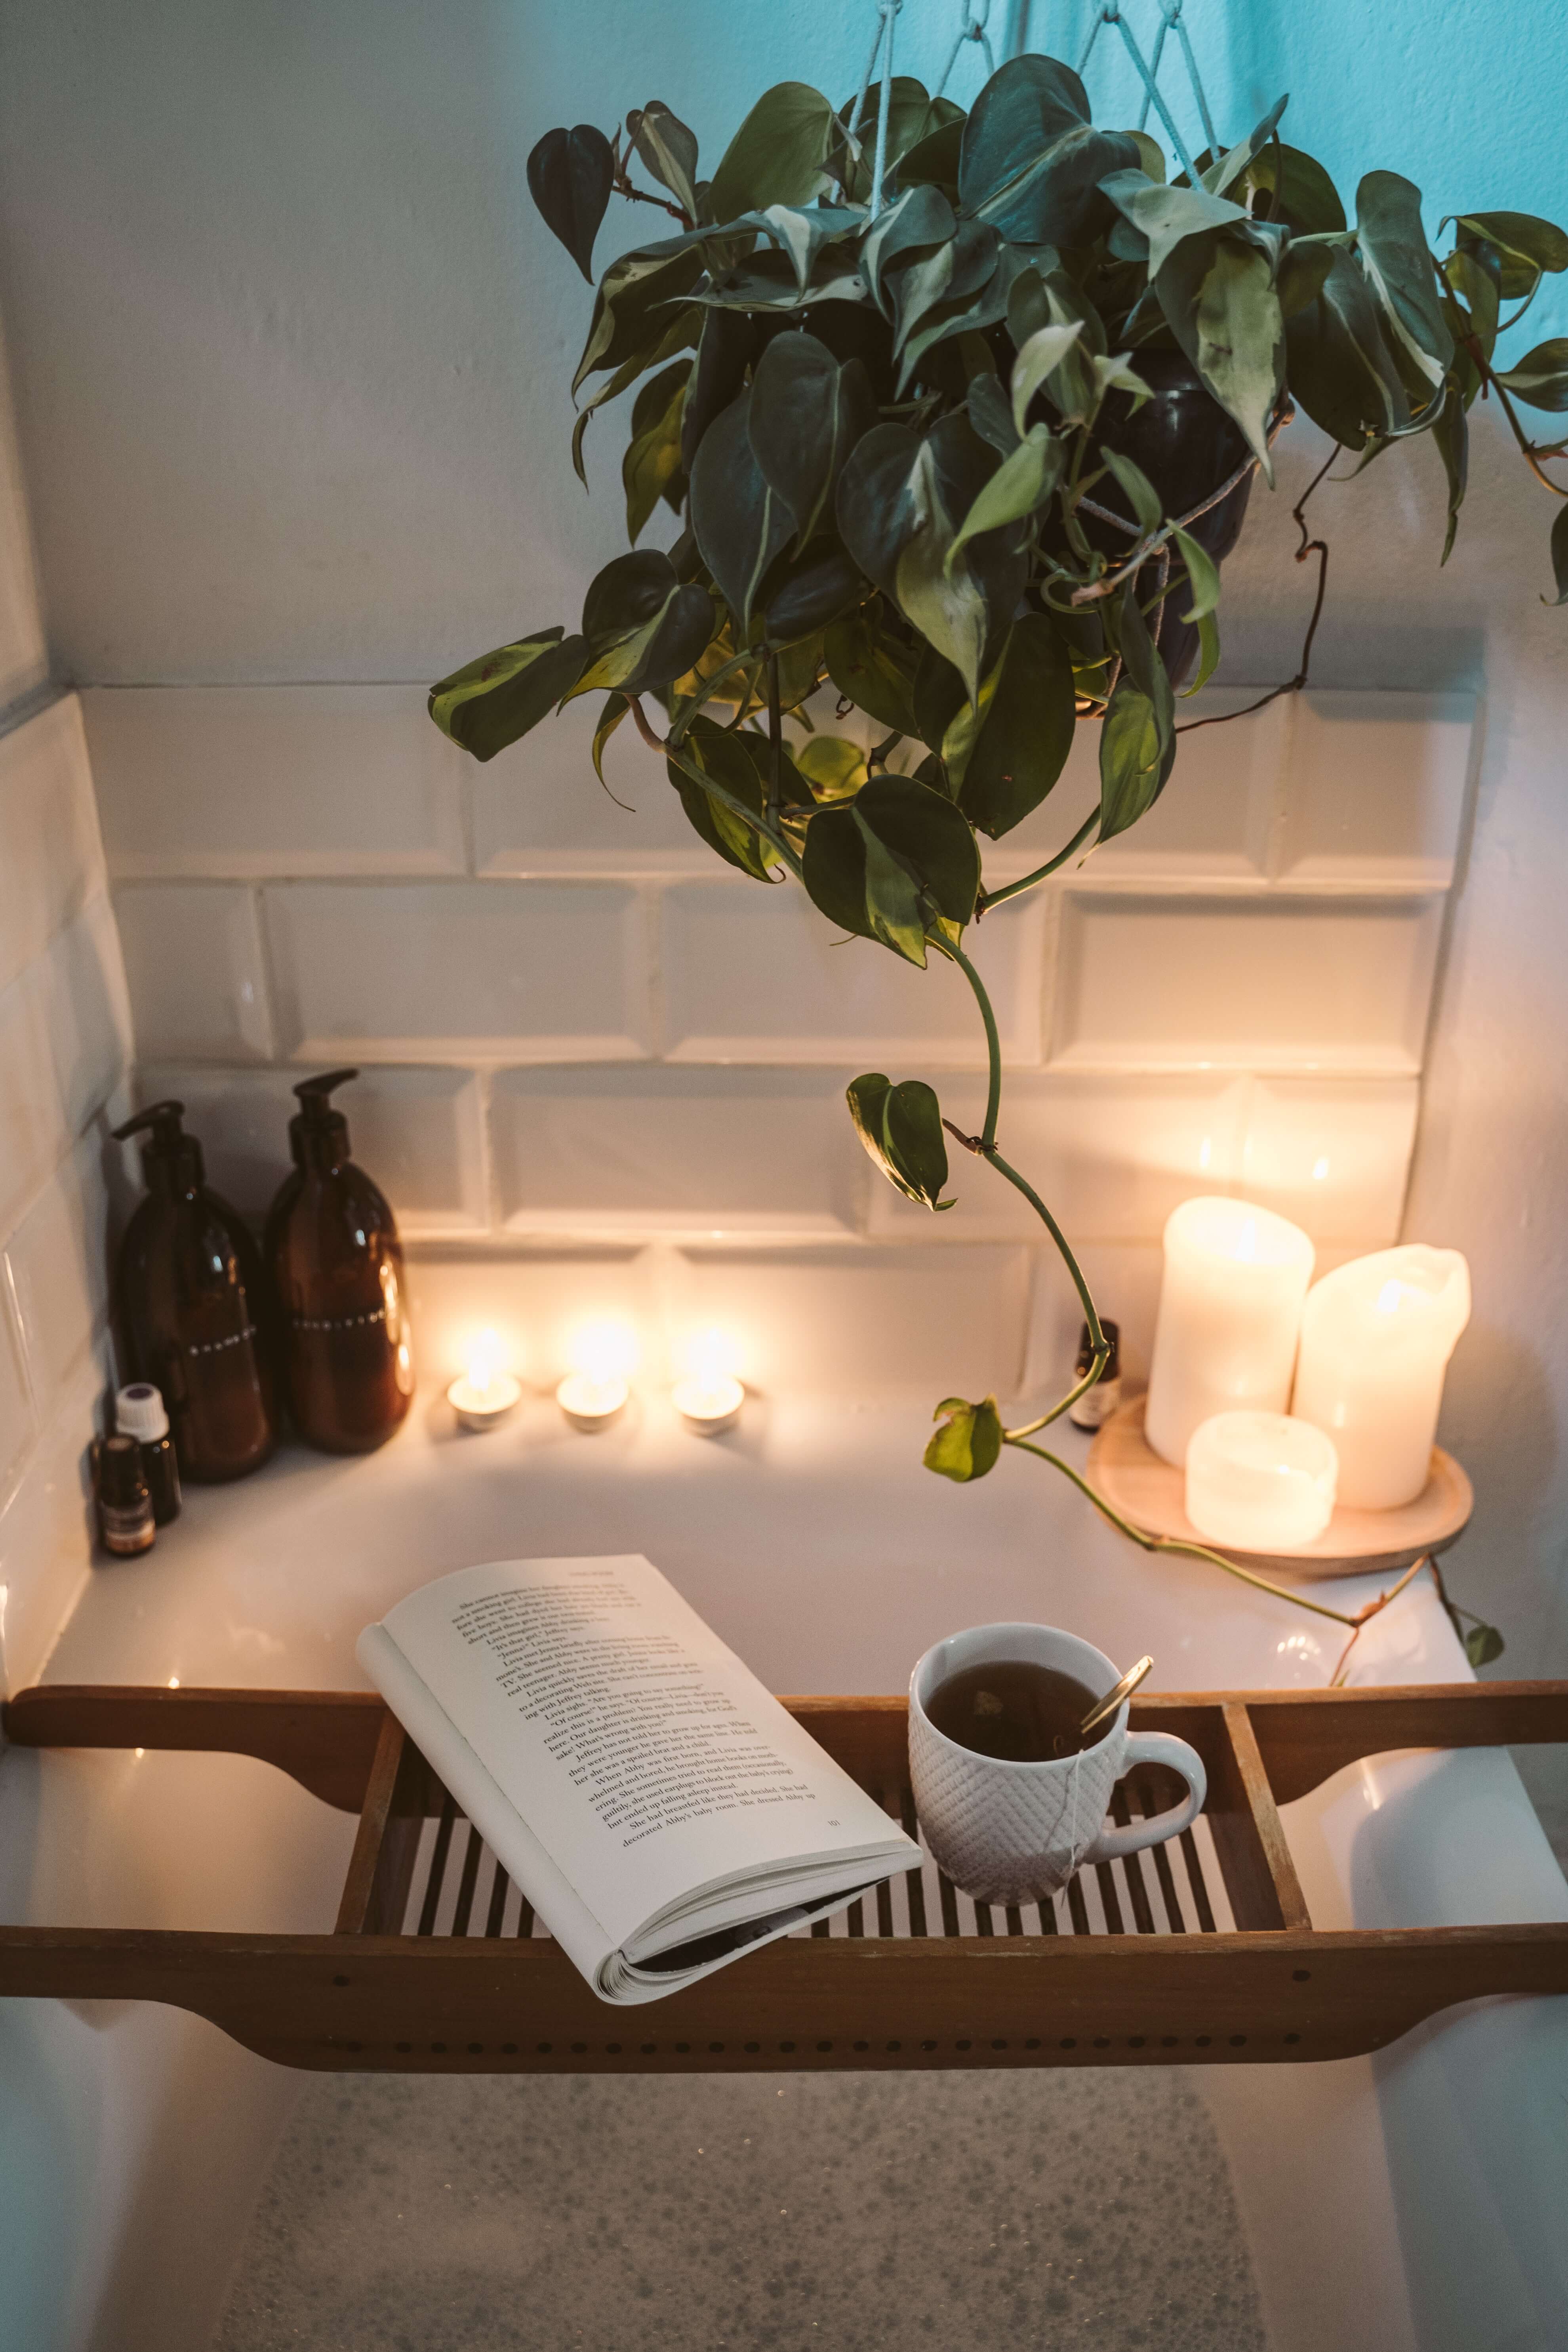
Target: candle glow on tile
1230,1308
603,1357
486,1392
1377,1337
710,1398
1261,1482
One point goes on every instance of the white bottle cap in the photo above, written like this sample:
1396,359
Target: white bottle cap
139,1412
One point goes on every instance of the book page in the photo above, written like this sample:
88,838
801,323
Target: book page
646,1759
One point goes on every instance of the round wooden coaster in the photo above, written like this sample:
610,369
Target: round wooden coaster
1148,1490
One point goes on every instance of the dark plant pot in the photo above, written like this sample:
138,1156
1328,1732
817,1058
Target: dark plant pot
1187,446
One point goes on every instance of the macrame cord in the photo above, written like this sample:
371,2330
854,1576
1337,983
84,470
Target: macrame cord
975,18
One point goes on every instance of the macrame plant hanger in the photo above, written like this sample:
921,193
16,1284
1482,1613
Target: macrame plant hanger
975,15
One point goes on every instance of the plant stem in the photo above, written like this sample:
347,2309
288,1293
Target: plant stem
679,732
985,1143
1174,1544
989,898
674,751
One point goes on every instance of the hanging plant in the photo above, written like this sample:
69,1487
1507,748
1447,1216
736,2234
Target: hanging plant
960,416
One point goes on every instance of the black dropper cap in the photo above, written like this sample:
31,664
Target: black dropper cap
318,1134
171,1159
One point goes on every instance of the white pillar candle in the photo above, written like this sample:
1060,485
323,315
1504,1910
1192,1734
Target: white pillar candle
1261,1481
1230,1308
1377,1337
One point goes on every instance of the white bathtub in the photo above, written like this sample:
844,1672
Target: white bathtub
1415,2202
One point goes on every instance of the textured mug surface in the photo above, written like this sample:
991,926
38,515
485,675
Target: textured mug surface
1011,1833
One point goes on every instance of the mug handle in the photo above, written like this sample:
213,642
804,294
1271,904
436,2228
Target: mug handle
1155,1747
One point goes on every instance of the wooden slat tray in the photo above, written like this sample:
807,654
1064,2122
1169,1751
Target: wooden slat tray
1197,1952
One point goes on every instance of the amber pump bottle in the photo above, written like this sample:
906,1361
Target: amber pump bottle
336,1265
190,1301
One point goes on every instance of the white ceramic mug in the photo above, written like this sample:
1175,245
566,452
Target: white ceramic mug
1012,1832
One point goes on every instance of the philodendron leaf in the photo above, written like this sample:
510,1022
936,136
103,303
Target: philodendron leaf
1540,379
1203,575
810,592
833,767
1527,246
1032,161
806,414
493,701
1027,731
723,759
1017,489
1300,192
991,413
1560,558
888,863
1166,216
1148,508
901,1126
900,498
629,317
1037,362
1218,297
651,466
777,154
969,1443
1230,167
644,626
570,174
1339,363
1398,263
1137,736
1483,1645
740,521
668,148
873,668
614,711
1452,434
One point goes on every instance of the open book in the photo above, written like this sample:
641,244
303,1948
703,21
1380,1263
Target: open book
657,1807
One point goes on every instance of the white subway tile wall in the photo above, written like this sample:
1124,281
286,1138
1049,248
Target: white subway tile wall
65,1063
599,1065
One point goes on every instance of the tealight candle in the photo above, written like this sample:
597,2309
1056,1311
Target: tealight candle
484,1396
710,1399
1261,1482
1377,1337
603,1357
1230,1309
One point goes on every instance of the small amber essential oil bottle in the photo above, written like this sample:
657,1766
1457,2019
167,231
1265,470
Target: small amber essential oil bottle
125,1519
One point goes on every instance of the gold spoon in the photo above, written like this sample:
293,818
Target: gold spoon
1114,1699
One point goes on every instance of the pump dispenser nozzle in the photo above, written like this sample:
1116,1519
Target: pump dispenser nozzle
316,1123
169,1155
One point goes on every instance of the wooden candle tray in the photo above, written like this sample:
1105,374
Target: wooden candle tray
1197,1952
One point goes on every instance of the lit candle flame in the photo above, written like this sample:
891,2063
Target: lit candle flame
484,1354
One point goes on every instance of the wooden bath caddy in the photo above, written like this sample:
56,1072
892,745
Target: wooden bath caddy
1151,1492
1198,1952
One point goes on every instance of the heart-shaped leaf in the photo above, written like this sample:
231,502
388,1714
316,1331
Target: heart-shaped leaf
1017,489
651,467
1300,192
1452,434
1036,362
1527,246
718,814
1219,296
1340,367
776,157
1167,216
730,343
1483,1645
570,175
669,148
740,522
891,862
1560,558
873,668
810,592
969,1443
644,626
901,1126
1027,731
630,294
1540,379
614,711
1397,260
493,701
1231,165
1032,160
806,414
